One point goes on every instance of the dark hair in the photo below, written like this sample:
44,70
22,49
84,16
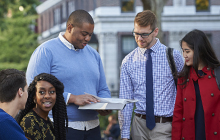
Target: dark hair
10,81
59,110
146,18
203,52
78,17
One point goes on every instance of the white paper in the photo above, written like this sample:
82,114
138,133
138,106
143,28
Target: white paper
113,100
107,103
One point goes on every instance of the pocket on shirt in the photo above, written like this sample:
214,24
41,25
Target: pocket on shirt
163,74
138,77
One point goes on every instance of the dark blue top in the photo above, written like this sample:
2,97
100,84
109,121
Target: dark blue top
114,132
199,114
9,128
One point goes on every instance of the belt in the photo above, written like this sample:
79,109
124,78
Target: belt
157,118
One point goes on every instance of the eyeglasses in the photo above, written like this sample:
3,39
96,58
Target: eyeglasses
143,35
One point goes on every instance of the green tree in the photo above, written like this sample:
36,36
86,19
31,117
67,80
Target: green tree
17,37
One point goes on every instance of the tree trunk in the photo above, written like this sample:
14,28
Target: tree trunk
156,6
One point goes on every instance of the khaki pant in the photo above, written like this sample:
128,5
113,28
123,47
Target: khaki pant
139,131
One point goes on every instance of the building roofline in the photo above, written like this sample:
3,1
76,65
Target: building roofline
46,5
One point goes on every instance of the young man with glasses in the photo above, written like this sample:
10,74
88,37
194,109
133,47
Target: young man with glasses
146,76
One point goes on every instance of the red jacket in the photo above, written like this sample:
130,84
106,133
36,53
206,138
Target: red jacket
183,126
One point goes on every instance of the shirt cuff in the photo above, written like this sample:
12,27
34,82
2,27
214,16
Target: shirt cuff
67,99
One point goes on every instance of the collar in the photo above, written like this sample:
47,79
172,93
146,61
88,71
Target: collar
154,48
193,74
142,50
65,42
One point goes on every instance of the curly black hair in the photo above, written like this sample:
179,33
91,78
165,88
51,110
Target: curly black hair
59,109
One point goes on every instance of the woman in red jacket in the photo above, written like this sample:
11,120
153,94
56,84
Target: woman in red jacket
197,108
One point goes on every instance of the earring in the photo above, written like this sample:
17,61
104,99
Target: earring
34,101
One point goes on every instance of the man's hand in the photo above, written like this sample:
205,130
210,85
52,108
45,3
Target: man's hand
82,99
104,112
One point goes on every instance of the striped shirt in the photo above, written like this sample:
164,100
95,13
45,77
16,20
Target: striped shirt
133,83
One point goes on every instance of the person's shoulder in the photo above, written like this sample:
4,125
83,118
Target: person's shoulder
176,52
29,116
49,46
162,46
2,114
7,122
180,80
50,43
178,58
5,117
159,47
28,119
131,54
129,57
92,52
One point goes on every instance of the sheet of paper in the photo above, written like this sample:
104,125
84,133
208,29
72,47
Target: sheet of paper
113,100
102,100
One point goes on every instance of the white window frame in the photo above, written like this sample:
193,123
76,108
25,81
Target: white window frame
57,16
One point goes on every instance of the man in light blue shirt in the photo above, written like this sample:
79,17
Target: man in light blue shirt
133,83
79,67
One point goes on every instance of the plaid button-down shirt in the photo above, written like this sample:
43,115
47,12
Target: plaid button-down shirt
133,83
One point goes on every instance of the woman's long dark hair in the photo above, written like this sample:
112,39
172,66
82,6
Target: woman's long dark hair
203,52
59,109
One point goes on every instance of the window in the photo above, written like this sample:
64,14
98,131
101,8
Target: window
71,7
57,16
128,45
50,18
127,6
41,23
179,2
64,10
202,5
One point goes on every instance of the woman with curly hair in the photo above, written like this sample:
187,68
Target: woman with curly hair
45,93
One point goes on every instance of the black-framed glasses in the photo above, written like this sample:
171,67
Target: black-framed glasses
143,35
